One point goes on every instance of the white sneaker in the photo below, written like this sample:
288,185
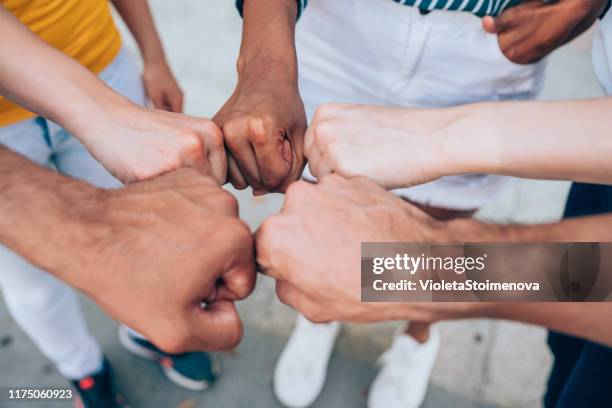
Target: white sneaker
404,376
301,369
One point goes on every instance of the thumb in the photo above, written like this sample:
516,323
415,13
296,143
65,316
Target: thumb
488,24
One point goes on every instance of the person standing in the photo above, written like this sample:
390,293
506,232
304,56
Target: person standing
44,307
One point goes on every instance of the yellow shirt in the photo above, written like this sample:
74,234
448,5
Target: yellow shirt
82,29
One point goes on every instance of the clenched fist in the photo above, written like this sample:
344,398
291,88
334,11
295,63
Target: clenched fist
263,128
168,257
312,248
395,147
135,143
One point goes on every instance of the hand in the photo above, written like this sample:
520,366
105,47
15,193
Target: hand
150,254
263,128
528,32
312,248
161,87
135,143
394,147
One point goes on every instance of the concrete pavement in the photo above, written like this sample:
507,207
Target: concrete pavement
482,363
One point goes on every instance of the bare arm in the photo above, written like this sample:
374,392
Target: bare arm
549,140
37,76
160,84
263,121
399,147
132,142
113,246
317,219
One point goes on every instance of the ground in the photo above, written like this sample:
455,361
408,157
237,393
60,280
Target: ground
481,363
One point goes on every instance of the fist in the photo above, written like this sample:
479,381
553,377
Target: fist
528,32
263,130
312,248
136,144
375,142
169,257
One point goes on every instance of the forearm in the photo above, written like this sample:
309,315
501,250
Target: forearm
38,216
139,19
268,45
49,83
596,228
550,140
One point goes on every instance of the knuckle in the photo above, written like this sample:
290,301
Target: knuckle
297,190
241,232
214,136
323,132
259,127
269,227
227,201
281,293
327,110
191,142
231,133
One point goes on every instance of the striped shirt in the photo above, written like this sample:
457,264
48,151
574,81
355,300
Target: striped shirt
479,7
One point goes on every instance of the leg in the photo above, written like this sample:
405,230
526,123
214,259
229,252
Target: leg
589,382
566,351
48,311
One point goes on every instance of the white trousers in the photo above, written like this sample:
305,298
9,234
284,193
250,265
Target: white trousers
383,53
45,308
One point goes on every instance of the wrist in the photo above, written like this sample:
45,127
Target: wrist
470,140
267,69
91,122
153,55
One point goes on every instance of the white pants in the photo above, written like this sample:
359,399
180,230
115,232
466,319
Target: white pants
383,53
45,308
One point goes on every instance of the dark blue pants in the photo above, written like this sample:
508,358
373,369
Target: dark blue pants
582,371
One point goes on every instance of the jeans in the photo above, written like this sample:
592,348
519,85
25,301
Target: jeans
44,307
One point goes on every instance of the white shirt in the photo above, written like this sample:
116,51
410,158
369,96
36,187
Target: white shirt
602,52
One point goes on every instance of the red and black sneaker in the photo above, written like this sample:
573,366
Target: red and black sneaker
98,390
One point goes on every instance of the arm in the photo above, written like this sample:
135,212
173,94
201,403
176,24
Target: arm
549,140
263,121
133,143
331,220
122,248
399,147
159,82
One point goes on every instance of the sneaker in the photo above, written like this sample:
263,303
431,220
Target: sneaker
98,390
406,369
195,371
301,369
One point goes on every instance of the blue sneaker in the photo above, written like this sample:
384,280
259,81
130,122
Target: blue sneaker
98,390
195,371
